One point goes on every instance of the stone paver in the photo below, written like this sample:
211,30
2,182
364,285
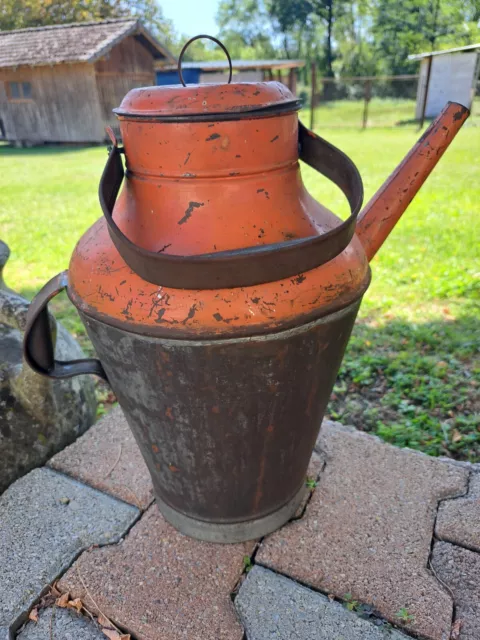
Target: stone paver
159,584
66,625
459,520
46,519
459,569
368,529
272,607
108,458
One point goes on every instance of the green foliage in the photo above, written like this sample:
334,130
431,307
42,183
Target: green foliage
247,564
404,616
350,603
20,14
349,37
247,29
410,26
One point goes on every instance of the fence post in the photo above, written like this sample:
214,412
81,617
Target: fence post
312,95
425,95
368,95
292,81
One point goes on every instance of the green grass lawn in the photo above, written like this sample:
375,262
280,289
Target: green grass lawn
349,113
411,373
382,112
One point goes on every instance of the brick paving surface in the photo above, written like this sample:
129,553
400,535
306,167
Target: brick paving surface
272,607
46,519
159,584
367,530
458,520
108,458
66,625
459,569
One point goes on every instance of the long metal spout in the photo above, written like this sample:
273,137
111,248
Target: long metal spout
384,210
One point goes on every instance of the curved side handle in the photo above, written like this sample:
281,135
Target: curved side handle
38,345
252,265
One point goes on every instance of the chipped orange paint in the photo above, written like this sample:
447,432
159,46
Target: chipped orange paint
198,187
168,413
173,468
155,449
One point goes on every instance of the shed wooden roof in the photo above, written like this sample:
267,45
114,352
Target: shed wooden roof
77,42
429,54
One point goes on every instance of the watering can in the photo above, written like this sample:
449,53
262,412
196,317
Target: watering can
220,296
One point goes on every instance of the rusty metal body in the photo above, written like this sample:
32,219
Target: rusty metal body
226,427
220,296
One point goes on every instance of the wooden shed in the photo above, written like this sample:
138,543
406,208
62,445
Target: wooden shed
446,75
60,83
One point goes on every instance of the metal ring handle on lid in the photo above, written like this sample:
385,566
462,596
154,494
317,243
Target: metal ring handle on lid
187,44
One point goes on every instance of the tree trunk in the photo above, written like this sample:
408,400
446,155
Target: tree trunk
285,46
433,34
328,44
328,91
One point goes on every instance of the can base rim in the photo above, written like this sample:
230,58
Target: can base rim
230,533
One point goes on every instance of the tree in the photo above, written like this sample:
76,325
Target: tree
289,28
19,14
326,8
355,51
294,20
310,20
402,27
246,28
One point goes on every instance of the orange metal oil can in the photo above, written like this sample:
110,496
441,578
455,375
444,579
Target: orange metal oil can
220,296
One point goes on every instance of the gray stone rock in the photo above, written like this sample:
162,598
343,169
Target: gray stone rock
38,416
66,625
46,520
4,255
459,570
272,607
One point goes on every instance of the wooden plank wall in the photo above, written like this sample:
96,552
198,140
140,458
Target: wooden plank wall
64,105
127,66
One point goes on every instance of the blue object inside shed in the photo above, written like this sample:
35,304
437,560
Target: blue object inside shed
191,76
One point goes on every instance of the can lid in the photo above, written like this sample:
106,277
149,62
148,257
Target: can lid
207,99
232,101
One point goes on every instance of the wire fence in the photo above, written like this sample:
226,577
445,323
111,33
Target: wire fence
366,101
370,101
